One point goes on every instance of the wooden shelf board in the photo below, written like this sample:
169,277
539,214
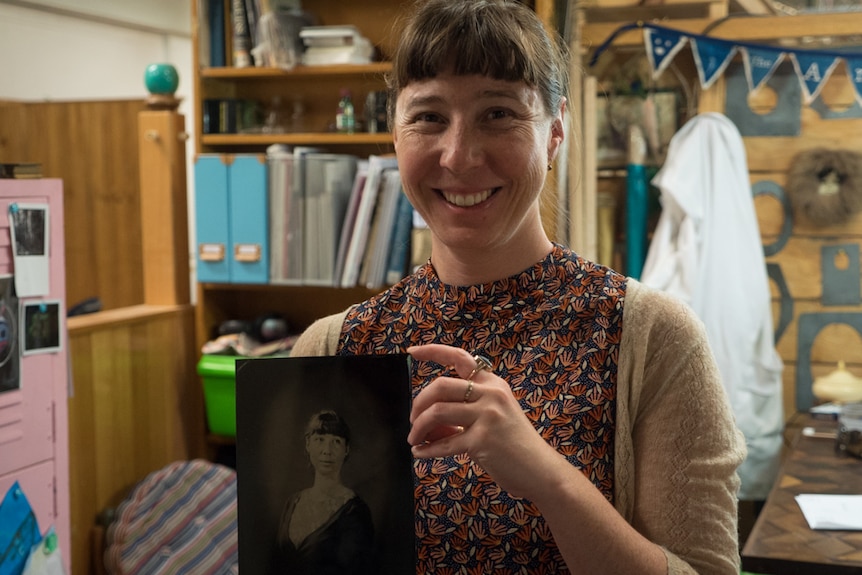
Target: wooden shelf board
296,139
125,315
752,29
299,72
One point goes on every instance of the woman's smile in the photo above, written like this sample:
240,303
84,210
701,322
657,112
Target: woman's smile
467,200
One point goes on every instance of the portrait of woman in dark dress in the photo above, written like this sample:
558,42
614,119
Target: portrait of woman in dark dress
326,528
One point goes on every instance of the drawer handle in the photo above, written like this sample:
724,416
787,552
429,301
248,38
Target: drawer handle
211,252
247,252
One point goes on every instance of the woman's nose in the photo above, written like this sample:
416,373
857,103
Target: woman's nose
462,149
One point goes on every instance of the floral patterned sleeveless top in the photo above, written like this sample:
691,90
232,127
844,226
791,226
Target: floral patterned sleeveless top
553,332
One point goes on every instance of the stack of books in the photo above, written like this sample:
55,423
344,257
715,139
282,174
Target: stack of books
328,45
20,170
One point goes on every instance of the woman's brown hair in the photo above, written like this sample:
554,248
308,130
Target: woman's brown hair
503,39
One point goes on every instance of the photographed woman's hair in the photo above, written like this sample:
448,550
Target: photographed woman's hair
328,422
503,39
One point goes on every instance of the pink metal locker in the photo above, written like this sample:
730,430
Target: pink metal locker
33,417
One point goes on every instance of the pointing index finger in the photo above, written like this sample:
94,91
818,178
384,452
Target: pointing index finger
445,355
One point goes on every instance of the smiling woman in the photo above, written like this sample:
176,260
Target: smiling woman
326,528
599,439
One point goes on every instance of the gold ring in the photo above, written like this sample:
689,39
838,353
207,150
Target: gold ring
482,364
469,390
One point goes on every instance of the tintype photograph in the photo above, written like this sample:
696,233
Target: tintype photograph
41,332
324,471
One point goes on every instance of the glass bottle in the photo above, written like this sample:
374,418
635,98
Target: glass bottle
274,121
345,118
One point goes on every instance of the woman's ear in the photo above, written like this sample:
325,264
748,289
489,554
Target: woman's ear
557,132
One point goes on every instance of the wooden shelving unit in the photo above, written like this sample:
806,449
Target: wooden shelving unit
316,90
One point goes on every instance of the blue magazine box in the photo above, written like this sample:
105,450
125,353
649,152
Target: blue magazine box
249,220
212,218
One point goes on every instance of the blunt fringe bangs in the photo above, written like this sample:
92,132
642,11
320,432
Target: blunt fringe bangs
328,423
502,39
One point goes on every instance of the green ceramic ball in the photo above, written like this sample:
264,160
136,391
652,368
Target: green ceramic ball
161,79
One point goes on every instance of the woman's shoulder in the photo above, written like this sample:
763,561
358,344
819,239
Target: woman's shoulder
356,502
654,312
321,337
661,336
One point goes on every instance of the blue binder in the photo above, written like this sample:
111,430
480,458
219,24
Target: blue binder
249,220
212,221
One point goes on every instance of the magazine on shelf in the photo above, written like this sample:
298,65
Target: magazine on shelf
328,183
398,263
350,218
280,162
305,418
364,215
373,274
287,212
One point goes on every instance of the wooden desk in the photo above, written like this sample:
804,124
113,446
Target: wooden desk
781,541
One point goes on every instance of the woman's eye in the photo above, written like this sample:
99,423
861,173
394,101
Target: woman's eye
427,117
498,114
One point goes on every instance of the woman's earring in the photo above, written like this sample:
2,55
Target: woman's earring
550,167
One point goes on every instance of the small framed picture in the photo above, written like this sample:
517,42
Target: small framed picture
41,327
29,227
314,426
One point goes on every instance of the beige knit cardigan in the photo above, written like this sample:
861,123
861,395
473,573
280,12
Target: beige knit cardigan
676,445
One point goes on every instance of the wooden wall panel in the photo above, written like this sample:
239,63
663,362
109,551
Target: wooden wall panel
133,410
800,262
92,147
798,255
835,342
775,154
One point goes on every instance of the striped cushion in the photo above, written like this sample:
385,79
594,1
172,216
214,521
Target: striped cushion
178,520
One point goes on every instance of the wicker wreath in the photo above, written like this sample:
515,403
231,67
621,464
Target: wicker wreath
826,185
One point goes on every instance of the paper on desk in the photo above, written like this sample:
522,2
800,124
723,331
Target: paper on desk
831,511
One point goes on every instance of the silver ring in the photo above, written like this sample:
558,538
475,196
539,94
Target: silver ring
482,364
469,390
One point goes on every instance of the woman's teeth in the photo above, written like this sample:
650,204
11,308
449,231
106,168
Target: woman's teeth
466,201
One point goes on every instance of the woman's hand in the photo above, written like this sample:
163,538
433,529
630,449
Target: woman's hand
492,428
487,423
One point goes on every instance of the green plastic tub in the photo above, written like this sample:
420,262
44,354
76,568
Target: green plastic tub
219,380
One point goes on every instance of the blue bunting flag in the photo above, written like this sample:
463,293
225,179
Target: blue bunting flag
854,71
813,71
760,64
711,58
712,55
662,44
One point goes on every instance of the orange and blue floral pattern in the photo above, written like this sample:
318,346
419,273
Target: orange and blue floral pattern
553,332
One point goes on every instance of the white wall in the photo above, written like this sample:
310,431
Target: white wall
64,50
165,15
79,54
